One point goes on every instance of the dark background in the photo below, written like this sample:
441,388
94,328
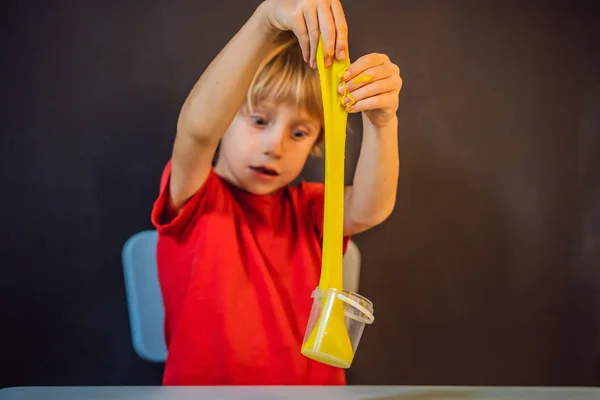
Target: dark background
487,273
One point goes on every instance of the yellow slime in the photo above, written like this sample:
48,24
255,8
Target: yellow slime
362,78
329,342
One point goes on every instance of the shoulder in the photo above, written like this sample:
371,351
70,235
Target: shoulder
211,194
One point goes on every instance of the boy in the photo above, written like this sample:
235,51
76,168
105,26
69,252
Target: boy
239,250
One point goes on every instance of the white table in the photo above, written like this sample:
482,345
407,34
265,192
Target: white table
277,392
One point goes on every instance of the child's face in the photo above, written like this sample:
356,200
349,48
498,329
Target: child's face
266,150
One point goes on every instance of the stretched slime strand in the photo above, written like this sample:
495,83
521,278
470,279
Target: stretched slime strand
335,118
329,342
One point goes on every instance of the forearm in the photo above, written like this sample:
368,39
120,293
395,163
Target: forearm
221,90
373,195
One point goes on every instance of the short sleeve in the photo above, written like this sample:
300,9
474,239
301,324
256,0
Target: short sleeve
314,194
175,225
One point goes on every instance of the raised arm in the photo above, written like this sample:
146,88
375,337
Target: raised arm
213,103
374,83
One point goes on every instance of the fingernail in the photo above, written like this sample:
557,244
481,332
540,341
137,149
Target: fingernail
327,61
341,55
346,101
346,75
341,89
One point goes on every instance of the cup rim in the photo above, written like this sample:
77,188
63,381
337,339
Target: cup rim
347,297
343,291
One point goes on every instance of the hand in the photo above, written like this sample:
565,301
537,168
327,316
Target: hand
373,86
309,19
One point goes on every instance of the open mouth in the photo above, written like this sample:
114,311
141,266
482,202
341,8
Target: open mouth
265,171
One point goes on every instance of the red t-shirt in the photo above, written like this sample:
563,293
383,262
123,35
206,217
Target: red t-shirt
236,272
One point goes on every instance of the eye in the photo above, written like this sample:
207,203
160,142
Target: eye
298,134
259,121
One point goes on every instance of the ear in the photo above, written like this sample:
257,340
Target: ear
317,151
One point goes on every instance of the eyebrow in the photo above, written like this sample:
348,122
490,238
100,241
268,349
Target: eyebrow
309,122
304,118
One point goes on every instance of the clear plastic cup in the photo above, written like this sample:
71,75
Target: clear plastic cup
335,326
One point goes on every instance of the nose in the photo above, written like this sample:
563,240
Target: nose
273,141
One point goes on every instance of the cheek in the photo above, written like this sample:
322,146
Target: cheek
239,150
300,153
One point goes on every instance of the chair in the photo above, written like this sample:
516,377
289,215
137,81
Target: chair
351,265
144,298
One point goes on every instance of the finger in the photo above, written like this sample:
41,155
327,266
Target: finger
370,75
312,24
387,100
341,45
301,32
327,28
364,63
373,89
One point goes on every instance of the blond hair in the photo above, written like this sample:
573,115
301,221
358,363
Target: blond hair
284,77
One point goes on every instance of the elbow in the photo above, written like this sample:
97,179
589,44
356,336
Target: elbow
197,127
383,212
381,216
191,122
360,223
197,120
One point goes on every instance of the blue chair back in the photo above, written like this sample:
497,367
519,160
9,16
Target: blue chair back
144,298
